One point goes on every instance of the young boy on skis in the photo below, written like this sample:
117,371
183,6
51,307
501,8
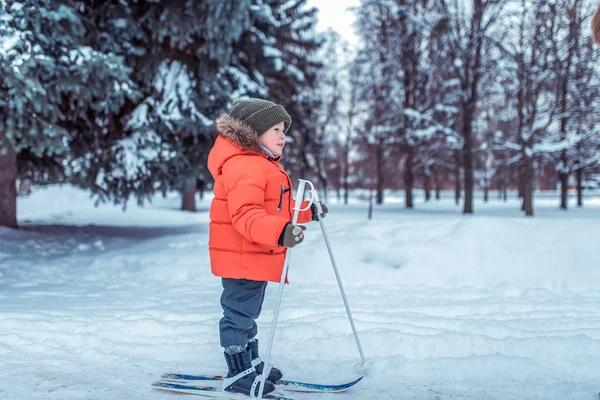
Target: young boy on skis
250,228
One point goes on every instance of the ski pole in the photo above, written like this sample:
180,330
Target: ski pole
286,265
315,196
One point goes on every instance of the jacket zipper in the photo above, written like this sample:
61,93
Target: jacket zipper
281,197
283,190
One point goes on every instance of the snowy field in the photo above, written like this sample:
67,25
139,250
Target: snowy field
96,303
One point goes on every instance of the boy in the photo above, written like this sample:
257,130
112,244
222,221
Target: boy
250,228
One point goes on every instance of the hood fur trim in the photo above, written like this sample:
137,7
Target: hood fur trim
238,132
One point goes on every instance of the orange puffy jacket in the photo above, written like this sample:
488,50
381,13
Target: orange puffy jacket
252,205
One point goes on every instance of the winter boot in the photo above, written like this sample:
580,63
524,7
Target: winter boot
258,364
242,377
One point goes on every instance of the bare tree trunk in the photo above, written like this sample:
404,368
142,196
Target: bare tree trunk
500,184
468,167
486,188
372,183
200,187
408,177
469,108
486,192
503,190
522,188
436,182
564,189
8,183
580,187
324,187
370,213
528,186
346,191
346,175
189,197
563,176
457,187
380,171
522,184
427,186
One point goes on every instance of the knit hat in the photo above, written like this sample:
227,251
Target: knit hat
260,115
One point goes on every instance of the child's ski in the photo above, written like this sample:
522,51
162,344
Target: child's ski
295,386
214,392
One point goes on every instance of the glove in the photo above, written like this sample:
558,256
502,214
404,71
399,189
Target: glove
292,235
313,208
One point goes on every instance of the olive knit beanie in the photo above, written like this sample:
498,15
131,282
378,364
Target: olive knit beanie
260,114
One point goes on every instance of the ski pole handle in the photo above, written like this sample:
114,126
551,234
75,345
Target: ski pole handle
300,196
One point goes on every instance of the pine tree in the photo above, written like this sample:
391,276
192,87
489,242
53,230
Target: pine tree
178,51
53,78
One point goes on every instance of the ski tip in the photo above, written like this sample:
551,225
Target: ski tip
167,385
160,385
354,382
298,386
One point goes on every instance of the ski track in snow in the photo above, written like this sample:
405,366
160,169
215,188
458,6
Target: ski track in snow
96,303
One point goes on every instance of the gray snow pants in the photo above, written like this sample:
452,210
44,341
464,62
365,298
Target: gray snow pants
241,301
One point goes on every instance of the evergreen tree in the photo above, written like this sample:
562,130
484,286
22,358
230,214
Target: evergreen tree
53,79
179,51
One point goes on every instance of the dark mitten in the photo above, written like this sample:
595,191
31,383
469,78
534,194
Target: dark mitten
324,211
292,235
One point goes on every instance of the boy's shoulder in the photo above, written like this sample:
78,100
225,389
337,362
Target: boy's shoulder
246,160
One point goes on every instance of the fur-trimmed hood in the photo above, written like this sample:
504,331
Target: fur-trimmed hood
235,138
238,132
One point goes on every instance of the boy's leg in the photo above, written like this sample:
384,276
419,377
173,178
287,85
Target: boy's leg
241,302
275,373
254,328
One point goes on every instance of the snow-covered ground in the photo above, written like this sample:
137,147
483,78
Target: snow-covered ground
96,303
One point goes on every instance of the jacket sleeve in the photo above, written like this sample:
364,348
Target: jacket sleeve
245,185
305,216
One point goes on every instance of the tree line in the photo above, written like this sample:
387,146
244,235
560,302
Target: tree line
119,98
477,94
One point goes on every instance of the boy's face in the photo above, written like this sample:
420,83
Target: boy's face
274,139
